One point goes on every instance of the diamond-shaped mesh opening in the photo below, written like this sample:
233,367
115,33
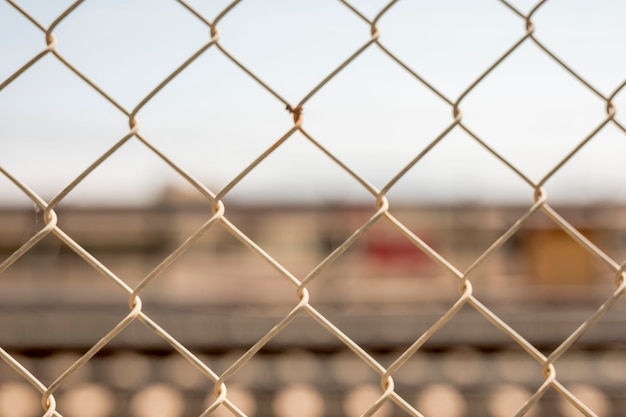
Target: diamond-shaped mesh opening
439,59
213,119
101,41
71,113
532,86
590,55
368,127
288,51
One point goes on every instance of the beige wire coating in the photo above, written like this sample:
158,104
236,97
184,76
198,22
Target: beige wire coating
303,299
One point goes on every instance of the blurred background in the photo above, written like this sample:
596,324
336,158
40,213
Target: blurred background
214,119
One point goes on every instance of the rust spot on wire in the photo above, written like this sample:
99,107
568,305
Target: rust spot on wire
296,111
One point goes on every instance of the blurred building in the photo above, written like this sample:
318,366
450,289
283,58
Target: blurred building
222,295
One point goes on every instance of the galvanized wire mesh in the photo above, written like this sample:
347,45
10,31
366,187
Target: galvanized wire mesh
304,301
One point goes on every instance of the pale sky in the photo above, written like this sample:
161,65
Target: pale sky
213,119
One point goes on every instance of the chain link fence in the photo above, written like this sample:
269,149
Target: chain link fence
304,301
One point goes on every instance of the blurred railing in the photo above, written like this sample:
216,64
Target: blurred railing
304,301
